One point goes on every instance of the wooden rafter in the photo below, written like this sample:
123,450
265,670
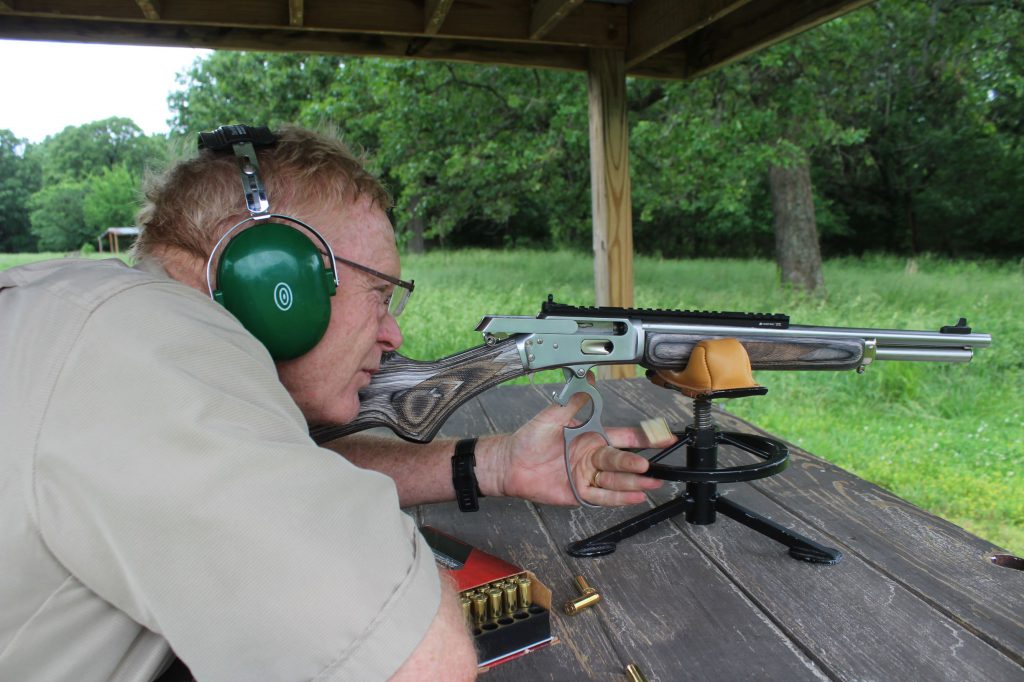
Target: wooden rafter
739,34
673,39
296,13
657,24
150,9
434,14
547,14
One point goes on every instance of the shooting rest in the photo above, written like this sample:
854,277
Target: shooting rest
718,368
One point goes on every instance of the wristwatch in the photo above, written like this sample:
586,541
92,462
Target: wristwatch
467,490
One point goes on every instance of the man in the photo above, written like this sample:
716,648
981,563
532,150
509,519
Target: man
160,494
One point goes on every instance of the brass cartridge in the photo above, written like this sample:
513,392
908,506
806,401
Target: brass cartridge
633,674
510,598
467,609
479,608
494,600
525,598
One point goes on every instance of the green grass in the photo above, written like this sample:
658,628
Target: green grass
945,437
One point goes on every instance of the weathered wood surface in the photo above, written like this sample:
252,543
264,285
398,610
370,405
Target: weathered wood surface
914,597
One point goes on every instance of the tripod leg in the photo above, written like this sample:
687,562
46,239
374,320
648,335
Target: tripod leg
604,542
799,546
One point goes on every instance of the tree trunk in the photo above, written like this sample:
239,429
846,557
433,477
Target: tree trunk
797,251
414,227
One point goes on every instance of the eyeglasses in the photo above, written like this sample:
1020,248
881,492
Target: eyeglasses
395,304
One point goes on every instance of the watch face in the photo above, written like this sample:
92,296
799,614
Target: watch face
448,551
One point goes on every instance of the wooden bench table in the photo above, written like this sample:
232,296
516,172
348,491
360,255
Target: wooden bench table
914,598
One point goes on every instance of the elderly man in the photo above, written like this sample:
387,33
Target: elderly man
161,495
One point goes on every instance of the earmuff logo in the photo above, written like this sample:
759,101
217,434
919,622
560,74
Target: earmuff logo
283,296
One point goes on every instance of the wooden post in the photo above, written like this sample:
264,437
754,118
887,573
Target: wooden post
609,186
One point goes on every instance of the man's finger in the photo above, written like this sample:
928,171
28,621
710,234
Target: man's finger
635,438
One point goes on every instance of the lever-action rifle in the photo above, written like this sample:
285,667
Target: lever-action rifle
414,398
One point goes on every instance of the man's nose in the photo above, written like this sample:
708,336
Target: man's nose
389,335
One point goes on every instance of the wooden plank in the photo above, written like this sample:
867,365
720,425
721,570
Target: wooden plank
547,14
753,27
594,24
944,564
664,606
875,615
174,35
611,199
656,24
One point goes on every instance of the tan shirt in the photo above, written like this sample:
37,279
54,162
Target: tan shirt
158,489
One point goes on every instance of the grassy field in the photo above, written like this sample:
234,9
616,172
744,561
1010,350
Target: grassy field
949,438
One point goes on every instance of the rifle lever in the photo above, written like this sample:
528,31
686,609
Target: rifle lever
576,382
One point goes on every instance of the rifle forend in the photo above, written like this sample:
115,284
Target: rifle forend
414,398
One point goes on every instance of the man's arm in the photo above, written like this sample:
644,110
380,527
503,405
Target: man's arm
528,463
446,652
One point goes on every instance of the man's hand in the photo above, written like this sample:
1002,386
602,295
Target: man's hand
530,462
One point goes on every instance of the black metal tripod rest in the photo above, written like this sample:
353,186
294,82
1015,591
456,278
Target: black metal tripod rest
701,500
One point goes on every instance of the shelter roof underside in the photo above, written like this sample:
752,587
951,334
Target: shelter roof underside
670,39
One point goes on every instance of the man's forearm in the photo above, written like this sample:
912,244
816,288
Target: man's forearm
422,473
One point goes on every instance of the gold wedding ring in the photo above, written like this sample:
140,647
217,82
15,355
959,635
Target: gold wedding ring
596,481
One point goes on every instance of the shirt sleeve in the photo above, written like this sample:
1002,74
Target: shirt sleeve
174,478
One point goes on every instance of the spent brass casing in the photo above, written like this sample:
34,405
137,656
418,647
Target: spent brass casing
467,609
511,602
494,600
588,597
574,606
633,674
479,608
525,598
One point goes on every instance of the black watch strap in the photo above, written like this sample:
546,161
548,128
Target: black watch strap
464,477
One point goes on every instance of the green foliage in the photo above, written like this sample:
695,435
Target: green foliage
484,155
112,199
78,152
248,87
90,178
58,218
19,179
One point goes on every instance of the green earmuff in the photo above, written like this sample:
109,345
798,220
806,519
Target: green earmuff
272,277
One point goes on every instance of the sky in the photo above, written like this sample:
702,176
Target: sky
45,87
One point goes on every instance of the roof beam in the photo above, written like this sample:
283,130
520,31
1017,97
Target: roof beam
150,9
657,24
296,13
749,29
547,14
288,40
434,14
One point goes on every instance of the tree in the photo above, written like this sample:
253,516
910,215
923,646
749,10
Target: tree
940,86
77,152
19,179
58,220
112,200
249,87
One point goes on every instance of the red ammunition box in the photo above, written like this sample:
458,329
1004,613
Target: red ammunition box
512,632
